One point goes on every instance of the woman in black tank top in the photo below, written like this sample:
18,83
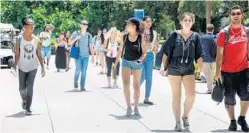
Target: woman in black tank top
134,51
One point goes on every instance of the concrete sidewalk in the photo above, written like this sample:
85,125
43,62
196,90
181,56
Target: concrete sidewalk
58,108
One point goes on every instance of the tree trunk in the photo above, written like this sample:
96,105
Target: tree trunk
208,11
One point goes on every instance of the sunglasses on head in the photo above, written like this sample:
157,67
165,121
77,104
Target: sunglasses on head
236,13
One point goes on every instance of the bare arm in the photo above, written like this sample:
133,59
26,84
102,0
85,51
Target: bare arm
164,62
72,41
120,50
200,64
219,59
17,52
155,49
144,48
39,56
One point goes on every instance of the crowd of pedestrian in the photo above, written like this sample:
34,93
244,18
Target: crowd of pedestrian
133,51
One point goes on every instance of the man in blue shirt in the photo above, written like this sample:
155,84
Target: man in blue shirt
84,41
208,44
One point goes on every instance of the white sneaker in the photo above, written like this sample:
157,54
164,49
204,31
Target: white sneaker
109,85
115,85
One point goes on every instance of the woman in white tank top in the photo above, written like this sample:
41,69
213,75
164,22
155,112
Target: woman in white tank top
111,48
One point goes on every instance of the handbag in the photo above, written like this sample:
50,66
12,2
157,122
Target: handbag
75,51
218,92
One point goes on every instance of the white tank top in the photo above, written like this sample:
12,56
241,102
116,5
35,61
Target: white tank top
113,47
46,39
151,47
28,60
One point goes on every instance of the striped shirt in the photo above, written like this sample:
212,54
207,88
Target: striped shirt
84,42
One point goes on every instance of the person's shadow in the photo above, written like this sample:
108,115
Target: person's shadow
21,115
169,131
124,117
224,131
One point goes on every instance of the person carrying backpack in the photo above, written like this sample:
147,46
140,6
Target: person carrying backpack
232,66
209,49
181,50
27,58
82,40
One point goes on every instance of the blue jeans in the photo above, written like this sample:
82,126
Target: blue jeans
147,73
81,67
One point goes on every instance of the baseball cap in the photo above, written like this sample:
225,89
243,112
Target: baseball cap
133,21
84,22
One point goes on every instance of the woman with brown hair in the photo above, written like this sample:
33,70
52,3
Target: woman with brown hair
60,58
181,49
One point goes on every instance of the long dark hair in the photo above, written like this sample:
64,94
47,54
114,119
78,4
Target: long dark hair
151,29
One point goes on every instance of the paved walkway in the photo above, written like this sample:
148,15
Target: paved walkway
57,108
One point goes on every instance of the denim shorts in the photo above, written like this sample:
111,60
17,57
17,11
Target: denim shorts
46,52
131,65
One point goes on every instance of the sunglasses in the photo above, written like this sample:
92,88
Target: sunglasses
236,13
84,24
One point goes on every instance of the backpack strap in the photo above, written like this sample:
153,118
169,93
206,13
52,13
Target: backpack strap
125,39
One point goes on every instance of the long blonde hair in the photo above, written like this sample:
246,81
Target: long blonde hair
113,29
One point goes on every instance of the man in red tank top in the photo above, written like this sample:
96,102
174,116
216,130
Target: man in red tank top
232,67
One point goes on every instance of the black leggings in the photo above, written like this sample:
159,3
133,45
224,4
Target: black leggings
109,63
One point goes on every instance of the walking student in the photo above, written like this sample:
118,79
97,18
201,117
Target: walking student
84,39
60,56
209,49
98,43
232,66
45,37
134,49
111,47
28,53
151,41
181,49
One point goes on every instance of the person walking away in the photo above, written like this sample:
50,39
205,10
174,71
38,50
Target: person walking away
85,49
209,49
45,37
232,66
111,46
148,63
60,56
180,57
27,55
134,49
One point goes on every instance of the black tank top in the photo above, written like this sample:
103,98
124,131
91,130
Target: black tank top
132,50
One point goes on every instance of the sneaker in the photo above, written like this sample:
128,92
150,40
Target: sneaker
136,112
209,91
233,126
242,122
148,102
115,85
76,85
109,85
28,112
24,104
128,111
82,89
178,126
185,123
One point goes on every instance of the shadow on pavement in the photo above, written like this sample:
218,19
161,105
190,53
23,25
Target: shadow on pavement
223,131
21,115
108,88
169,131
142,105
124,117
74,90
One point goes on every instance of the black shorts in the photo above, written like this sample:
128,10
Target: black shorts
235,83
178,68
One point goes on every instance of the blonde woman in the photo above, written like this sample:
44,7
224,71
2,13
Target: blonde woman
111,48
